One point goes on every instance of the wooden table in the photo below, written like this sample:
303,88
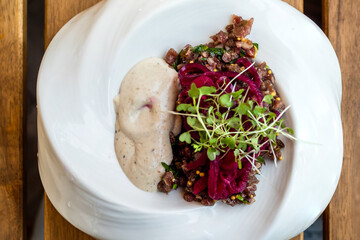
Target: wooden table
340,23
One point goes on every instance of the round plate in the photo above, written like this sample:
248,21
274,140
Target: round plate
82,71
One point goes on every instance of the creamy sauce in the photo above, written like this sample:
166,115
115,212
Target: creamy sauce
147,93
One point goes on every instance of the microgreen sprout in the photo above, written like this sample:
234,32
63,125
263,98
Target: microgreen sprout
231,121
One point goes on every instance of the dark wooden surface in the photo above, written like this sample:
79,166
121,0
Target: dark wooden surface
12,71
342,217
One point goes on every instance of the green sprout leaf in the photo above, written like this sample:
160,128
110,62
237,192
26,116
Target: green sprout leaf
229,141
234,122
183,107
256,45
197,147
236,95
213,141
207,90
191,121
260,159
272,115
185,137
258,110
255,141
243,146
268,98
225,101
272,135
290,130
224,126
243,108
194,91
212,153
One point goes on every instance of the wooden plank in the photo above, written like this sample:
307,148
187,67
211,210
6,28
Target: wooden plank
342,217
57,228
12,72
298,237
57,13
298,4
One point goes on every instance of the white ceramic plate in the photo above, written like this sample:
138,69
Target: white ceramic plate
82,71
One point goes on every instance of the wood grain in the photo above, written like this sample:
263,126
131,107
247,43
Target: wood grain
57,228
57,13
342,217
298,4
298,237
12,72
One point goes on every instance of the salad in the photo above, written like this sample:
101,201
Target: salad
231,119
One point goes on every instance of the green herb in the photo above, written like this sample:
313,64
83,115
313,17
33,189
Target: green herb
176,63
260,159
241,199
268,98
234,60
185,137
216,51
202,48
169,169
174,186
256,45
242,53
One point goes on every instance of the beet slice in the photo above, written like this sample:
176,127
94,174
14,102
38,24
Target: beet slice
200,185
201,161
252,70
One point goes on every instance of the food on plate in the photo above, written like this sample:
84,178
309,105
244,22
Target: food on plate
143,124
232,117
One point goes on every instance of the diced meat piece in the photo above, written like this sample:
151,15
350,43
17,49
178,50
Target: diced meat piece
189,197
233,68
229,28
278,105
185,152
171,56
205,54
226,57
236,19
220,37
207,202
243,28
250,52
244,44
269,88
213,63
165,185
280,143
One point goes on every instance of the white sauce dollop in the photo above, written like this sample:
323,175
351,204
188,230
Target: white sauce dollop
143,124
